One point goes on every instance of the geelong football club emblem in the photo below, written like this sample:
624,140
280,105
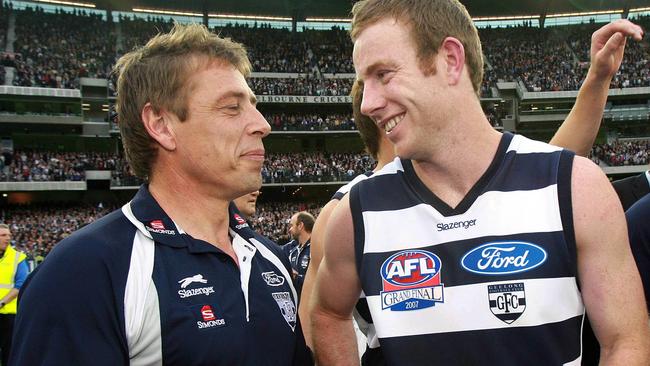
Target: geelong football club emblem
287,307
411,281
507,301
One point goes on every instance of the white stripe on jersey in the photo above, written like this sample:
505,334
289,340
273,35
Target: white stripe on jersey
542,308
141,307
523,145
510,213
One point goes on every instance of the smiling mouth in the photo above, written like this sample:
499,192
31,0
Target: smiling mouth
393,122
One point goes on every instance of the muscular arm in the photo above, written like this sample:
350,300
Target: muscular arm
317,239
336,292
580,128
610,282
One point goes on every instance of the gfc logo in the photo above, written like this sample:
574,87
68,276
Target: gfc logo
507,301
411,281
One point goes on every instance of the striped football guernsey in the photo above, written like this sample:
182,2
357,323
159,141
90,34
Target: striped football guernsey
490,282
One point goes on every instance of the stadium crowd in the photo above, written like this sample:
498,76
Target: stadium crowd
56,49
37,228
40,166
314,167
309,122
620,153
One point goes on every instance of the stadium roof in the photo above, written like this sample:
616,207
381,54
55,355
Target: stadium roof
301,9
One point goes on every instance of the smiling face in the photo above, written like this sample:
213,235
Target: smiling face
406,103
219,145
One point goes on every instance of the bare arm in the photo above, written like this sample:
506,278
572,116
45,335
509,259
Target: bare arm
317,242
580,128
610,282
336,292
12,294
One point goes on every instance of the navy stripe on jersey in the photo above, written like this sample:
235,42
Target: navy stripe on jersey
496,347
400,199
453,273
566,205
346,188
359,230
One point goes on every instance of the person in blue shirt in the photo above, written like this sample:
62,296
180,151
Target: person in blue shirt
300,227
176,276
13,272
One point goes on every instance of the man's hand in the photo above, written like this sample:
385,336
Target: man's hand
608,45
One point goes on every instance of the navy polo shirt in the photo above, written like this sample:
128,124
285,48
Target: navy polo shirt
133,288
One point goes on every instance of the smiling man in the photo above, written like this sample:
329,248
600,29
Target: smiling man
175,277
544,236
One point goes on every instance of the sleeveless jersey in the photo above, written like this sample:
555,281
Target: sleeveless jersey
490,282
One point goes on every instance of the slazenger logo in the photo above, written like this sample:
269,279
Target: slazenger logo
195,291
456,225
505,257
411,281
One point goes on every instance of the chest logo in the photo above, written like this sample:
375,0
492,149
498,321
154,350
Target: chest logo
189,280
411,281
273,279
507,301
198,278
287,307
502,258
209,319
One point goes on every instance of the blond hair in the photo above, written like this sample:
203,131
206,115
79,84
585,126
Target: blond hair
431,21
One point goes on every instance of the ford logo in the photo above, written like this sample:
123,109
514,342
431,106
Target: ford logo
410,267
506,257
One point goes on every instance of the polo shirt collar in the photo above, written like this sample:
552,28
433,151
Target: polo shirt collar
157,223
164,230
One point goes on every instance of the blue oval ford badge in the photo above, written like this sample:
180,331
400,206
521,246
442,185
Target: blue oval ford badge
506,257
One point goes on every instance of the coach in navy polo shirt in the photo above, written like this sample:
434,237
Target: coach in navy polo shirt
176,277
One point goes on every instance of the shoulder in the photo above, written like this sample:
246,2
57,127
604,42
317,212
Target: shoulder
92,255
110,234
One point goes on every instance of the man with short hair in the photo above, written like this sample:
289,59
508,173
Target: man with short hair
469,219
175,277
300,227
13,272
246,204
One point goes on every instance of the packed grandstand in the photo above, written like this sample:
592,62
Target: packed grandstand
62,164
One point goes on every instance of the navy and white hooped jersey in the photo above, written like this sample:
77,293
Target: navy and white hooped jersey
341,192
490,282
134,289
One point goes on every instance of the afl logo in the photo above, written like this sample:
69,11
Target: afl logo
409,268
411,281
501,258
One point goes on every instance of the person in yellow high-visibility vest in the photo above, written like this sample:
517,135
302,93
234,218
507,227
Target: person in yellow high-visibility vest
13,272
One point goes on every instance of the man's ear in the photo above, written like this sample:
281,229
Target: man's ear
452,53
158,126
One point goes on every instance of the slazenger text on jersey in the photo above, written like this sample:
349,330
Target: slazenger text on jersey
196,291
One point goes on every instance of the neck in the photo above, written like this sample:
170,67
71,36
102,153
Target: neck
201,215
443,173
303,238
